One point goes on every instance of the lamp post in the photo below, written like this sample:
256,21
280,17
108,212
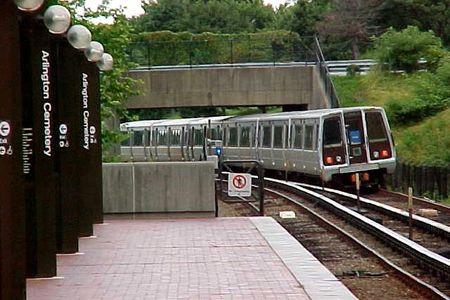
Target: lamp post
12,203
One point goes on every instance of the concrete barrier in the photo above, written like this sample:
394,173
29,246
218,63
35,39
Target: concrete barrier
158,187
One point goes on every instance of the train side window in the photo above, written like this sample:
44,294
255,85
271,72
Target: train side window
175,137
245,137
232,142
154,137
137,138
297,136
309,137
162,137
376,129
126,142
267,136
198,137
278,137
332,134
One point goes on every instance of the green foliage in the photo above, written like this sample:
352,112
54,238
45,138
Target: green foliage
425,14
353,70
443,71
402,50
169,48
301,17
427,143
229,16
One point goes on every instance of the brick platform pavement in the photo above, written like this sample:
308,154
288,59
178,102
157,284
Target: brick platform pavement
223,258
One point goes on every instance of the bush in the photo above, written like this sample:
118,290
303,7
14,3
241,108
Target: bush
402,50
443,71
352,70
430,97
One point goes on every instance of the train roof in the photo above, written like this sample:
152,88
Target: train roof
310,114
304,114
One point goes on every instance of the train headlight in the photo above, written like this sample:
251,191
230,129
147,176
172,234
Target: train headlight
338,159
376,154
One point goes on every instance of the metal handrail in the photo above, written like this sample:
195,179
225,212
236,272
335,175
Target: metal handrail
324,72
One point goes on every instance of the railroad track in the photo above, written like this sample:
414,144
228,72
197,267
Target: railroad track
371,268
400,201
429,233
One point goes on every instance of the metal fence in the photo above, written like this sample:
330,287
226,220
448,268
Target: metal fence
193,53
429,181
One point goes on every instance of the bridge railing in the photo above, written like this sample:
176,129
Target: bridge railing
324,72
193,53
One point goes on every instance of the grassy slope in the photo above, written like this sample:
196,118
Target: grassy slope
427,142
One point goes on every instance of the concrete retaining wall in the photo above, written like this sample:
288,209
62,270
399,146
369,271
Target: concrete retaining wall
158,187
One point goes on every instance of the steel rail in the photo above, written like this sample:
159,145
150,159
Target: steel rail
422,286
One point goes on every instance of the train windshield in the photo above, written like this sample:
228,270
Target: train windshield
332,135
379,145
333,142
375,127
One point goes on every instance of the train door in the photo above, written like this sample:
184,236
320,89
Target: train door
183,143
278,145
333,146
256,144
265,142
198,143
245,137
296,144
354,131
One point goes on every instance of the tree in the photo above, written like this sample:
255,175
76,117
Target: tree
196,16
302,16
354,20
425,14
115,86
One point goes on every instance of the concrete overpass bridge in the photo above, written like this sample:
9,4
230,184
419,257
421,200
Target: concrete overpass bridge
289,84
295,85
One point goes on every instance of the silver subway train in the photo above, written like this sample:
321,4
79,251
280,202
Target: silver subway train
331,144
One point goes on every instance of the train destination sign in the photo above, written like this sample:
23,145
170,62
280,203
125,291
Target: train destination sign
239,185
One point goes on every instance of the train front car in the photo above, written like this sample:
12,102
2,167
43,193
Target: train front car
357,140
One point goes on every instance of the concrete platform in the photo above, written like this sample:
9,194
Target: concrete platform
211,258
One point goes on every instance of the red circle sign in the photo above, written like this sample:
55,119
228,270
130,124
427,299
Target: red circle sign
239,182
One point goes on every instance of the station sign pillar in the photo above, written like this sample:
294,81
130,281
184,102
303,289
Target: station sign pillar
91,141
67,216
12,203
39,147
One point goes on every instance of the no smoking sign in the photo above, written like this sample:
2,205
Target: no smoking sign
239,184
